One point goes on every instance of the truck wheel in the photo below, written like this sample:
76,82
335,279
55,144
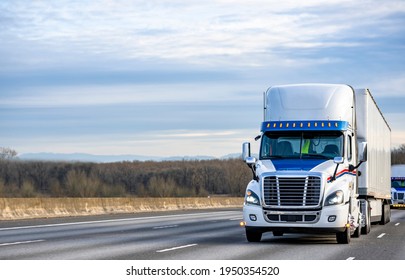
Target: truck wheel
357,232
389,214
366,229
386,214
253,236
343,237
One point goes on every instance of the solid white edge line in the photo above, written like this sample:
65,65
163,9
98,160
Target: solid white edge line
176,248
381,235
22,242
117,220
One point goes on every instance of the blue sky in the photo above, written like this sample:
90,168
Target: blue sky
183,78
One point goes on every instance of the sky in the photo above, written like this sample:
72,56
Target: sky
183,78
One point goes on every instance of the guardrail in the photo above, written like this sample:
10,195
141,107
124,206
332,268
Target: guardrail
26,208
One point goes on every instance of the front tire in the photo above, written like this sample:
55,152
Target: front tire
253,236
343,237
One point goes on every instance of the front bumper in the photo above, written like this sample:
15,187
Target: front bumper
330,219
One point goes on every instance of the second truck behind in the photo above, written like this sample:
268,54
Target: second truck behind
398,185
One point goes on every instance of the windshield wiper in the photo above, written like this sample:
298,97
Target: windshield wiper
281,157
315,156
270,157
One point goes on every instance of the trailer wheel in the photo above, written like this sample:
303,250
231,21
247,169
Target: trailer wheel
386,214
343,237
253,236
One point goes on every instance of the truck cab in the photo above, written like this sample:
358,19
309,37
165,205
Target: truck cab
398,186
305,178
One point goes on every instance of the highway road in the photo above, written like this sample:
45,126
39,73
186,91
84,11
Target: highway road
185,235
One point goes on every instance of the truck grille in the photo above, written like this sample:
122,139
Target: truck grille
295,191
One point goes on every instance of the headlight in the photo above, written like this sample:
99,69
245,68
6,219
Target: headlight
334,198
251,198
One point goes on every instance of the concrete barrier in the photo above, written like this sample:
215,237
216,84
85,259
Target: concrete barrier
26,208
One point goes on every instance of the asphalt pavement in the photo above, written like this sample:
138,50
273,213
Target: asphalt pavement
185,235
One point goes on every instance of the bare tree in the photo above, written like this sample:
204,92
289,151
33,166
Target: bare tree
398,155
7,153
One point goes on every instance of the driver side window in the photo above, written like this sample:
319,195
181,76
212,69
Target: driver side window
349,148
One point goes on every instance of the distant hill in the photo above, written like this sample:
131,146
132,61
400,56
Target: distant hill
82,157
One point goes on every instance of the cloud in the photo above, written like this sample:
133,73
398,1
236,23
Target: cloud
397,138
183,75
208,142
388,86
204,32
196,134
188,93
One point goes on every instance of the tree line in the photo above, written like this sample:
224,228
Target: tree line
188,178
398,155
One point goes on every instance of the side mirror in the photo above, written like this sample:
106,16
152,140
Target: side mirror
339,160
250,161
246,154
362,151
362,146
245,151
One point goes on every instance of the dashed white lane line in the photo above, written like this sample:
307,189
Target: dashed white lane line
162,227
121,220
21,242
350,258
397,224
176,248
381,235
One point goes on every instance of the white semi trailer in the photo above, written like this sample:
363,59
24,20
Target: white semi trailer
324,163
398,185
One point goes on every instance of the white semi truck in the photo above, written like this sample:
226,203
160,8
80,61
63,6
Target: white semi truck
324,163
398,185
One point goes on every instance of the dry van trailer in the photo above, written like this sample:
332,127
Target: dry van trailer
374,180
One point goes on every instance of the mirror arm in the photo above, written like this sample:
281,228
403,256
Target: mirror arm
334,173
352,168
253,168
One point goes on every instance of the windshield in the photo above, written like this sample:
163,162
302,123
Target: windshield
316,144
398,183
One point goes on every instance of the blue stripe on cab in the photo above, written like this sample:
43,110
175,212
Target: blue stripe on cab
296,164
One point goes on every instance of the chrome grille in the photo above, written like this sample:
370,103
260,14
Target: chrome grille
292,191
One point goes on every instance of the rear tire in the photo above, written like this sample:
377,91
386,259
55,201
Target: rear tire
386,214
253,236
357,232
366,229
